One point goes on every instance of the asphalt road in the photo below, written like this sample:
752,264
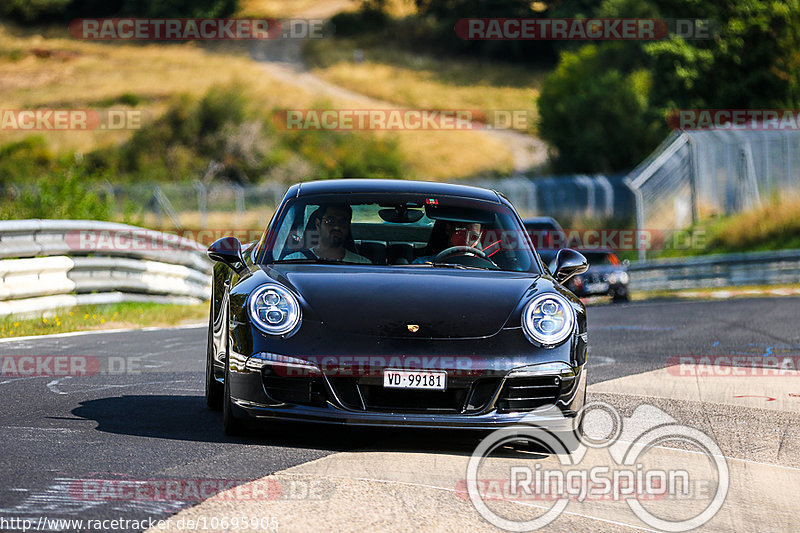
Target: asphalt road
139,419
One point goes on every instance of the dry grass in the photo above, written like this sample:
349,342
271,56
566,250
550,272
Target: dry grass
772,226
295,8
316,8
57,71
427,82
53,70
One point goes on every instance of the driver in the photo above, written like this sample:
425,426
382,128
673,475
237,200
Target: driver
333,228
454,234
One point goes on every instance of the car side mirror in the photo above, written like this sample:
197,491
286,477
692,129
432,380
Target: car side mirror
228,250
569,263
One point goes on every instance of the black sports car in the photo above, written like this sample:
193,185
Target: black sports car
394,303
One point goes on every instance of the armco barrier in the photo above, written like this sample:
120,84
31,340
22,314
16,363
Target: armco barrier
752,268
47,264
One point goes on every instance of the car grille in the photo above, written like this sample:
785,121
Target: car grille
467,396
295,389
527,394
461,396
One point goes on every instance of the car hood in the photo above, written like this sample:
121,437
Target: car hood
385,301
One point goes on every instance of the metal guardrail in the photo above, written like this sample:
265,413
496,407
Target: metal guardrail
47,264
752,268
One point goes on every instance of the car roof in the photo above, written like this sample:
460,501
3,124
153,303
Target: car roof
539,220
398,186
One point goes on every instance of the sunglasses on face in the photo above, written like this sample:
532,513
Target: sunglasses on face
335,221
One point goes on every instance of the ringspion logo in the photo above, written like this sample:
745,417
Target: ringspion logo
609,460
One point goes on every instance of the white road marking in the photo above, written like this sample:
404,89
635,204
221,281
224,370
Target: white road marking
53,385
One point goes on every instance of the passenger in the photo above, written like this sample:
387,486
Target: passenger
450,234
332,223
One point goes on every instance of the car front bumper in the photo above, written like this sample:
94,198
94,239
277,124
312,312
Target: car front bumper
256,393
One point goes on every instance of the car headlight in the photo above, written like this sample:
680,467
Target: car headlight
624,277
548,319
612,278
274,309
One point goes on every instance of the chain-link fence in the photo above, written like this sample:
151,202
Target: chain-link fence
198,206
694,174
569,198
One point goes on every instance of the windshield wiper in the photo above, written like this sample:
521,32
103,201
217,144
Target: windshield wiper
453,265
308,260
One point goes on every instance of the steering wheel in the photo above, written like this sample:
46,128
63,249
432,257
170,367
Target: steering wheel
463,250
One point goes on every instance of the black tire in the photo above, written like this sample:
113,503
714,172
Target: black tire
214,389
620,297
231,425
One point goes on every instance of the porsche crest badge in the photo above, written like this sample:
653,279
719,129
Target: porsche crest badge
413,328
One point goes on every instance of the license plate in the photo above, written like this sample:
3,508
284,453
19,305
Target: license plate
414,379
597,287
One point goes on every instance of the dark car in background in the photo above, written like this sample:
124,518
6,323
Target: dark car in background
607,275
424,321
545,232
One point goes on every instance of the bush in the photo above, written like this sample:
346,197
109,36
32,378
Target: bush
26,160
598,118
217,133
220,137
347,155
28,11
369,18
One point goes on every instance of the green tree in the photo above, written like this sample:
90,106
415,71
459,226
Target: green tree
598,118
752,59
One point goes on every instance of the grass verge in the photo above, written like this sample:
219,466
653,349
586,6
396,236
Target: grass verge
744,291
773,226
100,317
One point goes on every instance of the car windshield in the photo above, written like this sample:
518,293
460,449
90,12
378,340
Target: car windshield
400,230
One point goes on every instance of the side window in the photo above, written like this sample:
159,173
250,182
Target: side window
284,232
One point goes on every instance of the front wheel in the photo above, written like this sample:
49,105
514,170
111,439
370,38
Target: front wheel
230,424
214,390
